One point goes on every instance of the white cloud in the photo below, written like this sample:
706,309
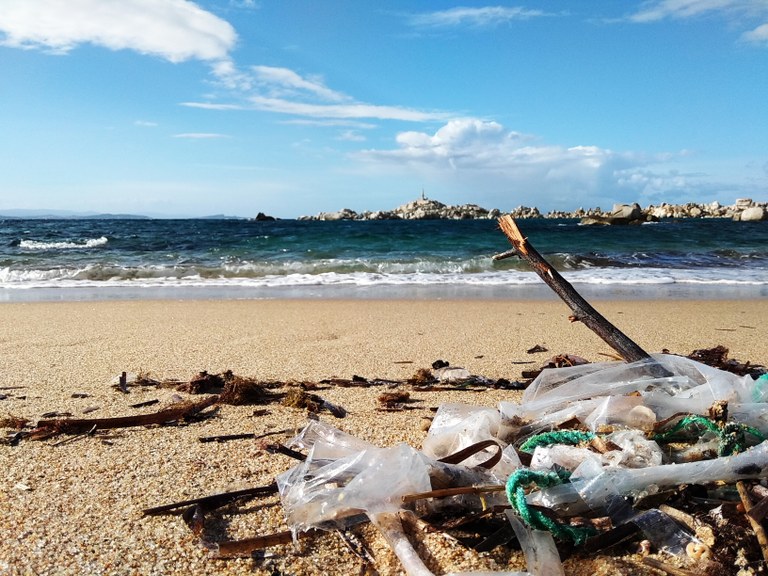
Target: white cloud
352,110
145,123
351,136
285,82
176,30
758,36
743,13
212,106
479,17
284,91
659,10
484,155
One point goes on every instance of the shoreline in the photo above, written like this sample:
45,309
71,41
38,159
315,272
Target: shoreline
535,291
76,508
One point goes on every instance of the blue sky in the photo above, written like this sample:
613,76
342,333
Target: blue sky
292,107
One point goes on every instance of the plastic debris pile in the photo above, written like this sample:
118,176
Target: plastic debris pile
591,450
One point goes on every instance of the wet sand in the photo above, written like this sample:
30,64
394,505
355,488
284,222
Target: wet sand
75,508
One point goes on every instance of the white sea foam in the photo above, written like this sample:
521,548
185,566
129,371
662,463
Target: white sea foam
149,276
37,245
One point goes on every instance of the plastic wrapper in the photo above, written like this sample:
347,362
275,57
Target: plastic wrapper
451,374
322,491
693,387
458,426
327,442
626,411
636,450
541,555
663,532
596,484
568,457
751,414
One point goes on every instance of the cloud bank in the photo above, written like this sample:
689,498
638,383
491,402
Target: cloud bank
485,155
175,30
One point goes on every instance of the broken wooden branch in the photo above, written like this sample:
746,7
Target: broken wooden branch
582,311
757,527
48,428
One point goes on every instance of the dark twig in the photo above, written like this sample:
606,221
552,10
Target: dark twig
582,310
213,501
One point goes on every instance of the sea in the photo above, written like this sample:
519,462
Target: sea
143,259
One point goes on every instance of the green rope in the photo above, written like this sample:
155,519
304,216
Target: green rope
732,440
515,488
570,437
732,436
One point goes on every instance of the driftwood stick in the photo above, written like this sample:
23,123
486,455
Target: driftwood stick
582,311
757,527
214,501
45,428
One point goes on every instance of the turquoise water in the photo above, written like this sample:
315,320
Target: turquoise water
105,259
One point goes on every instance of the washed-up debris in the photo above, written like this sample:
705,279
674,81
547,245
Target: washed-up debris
718,357
395,401
571,494
536,349
47,428
297,398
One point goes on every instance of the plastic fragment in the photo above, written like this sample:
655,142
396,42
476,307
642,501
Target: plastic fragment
541,556
371,481
392,529
664,533
451,374
596,485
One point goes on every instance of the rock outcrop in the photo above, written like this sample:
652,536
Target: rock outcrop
424,208
751,214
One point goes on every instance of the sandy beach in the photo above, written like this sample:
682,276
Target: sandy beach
75,508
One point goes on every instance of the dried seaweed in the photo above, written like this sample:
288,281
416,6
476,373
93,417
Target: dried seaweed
717,357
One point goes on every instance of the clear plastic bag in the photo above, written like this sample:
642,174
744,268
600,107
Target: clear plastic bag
601,390
458,426
344,477
596,484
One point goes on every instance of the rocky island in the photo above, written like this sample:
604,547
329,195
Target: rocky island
428,209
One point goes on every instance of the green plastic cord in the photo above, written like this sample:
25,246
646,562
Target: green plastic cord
570,437
515,488
732,436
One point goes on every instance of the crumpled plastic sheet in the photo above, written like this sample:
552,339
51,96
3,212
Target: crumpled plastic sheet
597,393
345,480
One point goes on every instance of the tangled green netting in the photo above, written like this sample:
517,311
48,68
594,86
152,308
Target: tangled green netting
732,438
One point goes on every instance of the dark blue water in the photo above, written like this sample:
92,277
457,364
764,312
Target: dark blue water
77,259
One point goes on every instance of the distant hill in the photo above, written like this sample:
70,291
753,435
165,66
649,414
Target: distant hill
70,215
66,215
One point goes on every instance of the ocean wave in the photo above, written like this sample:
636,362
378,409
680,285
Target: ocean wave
38,245
115,276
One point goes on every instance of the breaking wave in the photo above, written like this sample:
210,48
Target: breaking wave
37,245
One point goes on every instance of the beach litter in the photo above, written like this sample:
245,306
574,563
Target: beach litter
595,456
